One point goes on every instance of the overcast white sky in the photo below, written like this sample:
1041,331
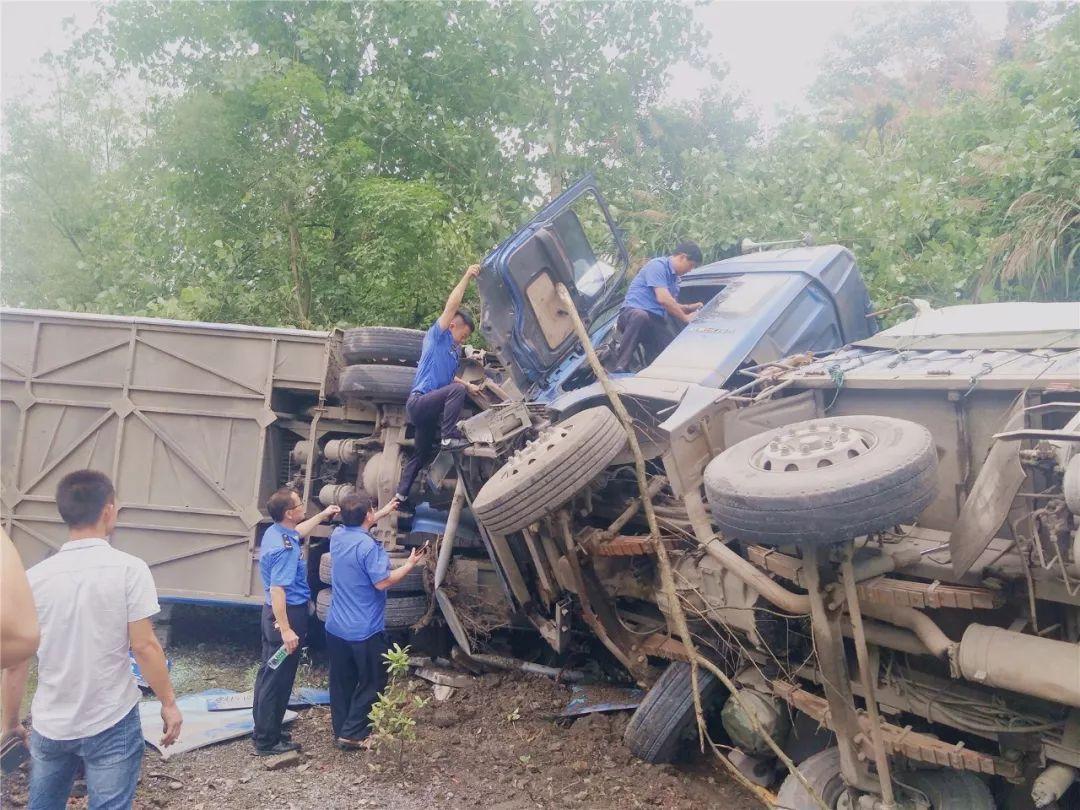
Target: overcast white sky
772,48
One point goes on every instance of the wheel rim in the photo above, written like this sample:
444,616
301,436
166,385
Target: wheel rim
530,454
812,446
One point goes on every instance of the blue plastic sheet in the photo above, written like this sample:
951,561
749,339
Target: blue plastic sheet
201,726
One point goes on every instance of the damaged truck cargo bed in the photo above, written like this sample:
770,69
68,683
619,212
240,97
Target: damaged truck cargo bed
872,532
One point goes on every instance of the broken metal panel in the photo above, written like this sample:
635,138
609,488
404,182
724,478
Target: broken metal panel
202,726
990,500
742,423
176,414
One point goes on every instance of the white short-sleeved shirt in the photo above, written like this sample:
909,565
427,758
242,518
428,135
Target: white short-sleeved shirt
85,596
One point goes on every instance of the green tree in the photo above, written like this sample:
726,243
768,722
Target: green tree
316,163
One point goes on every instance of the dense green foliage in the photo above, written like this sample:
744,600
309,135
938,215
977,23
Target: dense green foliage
976,198
320,163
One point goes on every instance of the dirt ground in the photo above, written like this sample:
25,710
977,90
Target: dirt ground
492,745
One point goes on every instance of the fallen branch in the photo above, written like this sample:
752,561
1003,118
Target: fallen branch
667,579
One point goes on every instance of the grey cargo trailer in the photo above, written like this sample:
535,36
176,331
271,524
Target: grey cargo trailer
193,421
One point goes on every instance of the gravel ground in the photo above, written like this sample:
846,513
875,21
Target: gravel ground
492,745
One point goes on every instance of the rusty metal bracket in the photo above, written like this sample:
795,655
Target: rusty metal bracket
629,546
597,610
903,741
886,590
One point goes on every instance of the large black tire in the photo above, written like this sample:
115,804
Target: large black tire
656,729
549,471
379,383
404,611
412,583
823,480
401,611
822,772
388,345
947,789
322,603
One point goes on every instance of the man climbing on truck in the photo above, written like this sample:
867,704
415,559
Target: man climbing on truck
437,393
652,294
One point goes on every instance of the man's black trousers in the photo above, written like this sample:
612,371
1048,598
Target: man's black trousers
428,412
637,326
357,675
273,686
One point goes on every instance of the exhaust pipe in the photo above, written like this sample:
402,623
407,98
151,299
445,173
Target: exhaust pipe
1030,665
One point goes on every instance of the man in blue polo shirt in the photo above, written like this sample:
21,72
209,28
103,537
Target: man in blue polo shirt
652,294
437,395
356,625
284,615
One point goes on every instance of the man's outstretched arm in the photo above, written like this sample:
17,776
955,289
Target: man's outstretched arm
673,307
453,301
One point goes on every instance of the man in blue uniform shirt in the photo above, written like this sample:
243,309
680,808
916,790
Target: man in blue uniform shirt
437,395
356,623
652,294
284,615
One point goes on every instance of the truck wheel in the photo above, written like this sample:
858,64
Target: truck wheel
412,583
549,471
380,383
382,344
322,603
822,772
414,580
946,789
405,611
823,480
667,712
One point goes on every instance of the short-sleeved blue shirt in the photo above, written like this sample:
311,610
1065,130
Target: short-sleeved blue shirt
358,609
438,360
281,564
656,273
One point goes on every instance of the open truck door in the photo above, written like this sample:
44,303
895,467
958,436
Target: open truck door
572,240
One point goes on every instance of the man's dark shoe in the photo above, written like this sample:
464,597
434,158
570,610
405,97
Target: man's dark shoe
281,748
286,736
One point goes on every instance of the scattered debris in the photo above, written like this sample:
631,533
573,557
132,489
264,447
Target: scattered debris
503,662
443,692
282,761
442,677
594,699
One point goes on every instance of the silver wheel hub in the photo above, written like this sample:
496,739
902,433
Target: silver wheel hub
812,446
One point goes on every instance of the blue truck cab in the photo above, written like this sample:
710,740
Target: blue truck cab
758,308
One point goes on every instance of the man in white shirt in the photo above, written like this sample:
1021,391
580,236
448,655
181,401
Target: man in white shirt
93,603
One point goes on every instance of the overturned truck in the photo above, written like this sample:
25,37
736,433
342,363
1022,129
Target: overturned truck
881,541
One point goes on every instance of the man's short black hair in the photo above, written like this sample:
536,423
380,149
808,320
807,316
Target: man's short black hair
689,249
279,503
82,496
355,507
466,318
